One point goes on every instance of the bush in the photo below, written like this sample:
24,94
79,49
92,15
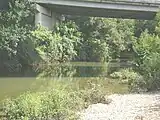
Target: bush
145,46
135,81
150,74
138,84
124,75
151,71
92,94
59,102
54,104
147,61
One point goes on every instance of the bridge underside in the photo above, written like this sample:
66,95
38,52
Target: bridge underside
97,9
108,13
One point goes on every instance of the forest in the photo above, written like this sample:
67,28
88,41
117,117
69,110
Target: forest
78,38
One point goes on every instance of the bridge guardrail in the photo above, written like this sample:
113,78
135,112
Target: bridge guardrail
150,2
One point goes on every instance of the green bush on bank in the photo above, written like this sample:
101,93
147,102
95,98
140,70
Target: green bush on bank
151,71
48,105
61,102
124,74
135,81
148,65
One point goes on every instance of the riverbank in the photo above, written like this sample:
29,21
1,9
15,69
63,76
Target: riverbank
94,97
55,99
125,107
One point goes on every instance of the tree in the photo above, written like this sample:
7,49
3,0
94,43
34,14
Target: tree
16,42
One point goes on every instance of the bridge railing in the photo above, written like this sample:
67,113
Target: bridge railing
126,1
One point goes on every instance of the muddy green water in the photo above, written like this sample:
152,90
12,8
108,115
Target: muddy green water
73,73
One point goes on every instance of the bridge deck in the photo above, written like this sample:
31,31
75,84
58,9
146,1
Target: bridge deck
136,9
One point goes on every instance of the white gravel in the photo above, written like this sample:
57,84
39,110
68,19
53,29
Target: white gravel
125,107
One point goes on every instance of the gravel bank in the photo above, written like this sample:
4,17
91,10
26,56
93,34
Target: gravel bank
125,107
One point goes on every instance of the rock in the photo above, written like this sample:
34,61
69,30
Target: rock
105,100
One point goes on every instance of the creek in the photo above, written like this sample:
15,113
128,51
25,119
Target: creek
78,73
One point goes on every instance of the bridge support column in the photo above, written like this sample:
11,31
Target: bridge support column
45,17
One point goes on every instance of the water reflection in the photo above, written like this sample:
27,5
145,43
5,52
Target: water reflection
74,69
77,73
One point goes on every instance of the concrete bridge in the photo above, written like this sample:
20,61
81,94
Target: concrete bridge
48,10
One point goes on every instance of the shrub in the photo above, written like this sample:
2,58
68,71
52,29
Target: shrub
54,104
145,46
138,84
124,74
135,81
93,94
59,102
151,71
148,80
147,61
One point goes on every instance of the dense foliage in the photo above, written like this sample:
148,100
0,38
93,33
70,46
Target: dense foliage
16,45
148,50
104,39
24,46
59,45
77,39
